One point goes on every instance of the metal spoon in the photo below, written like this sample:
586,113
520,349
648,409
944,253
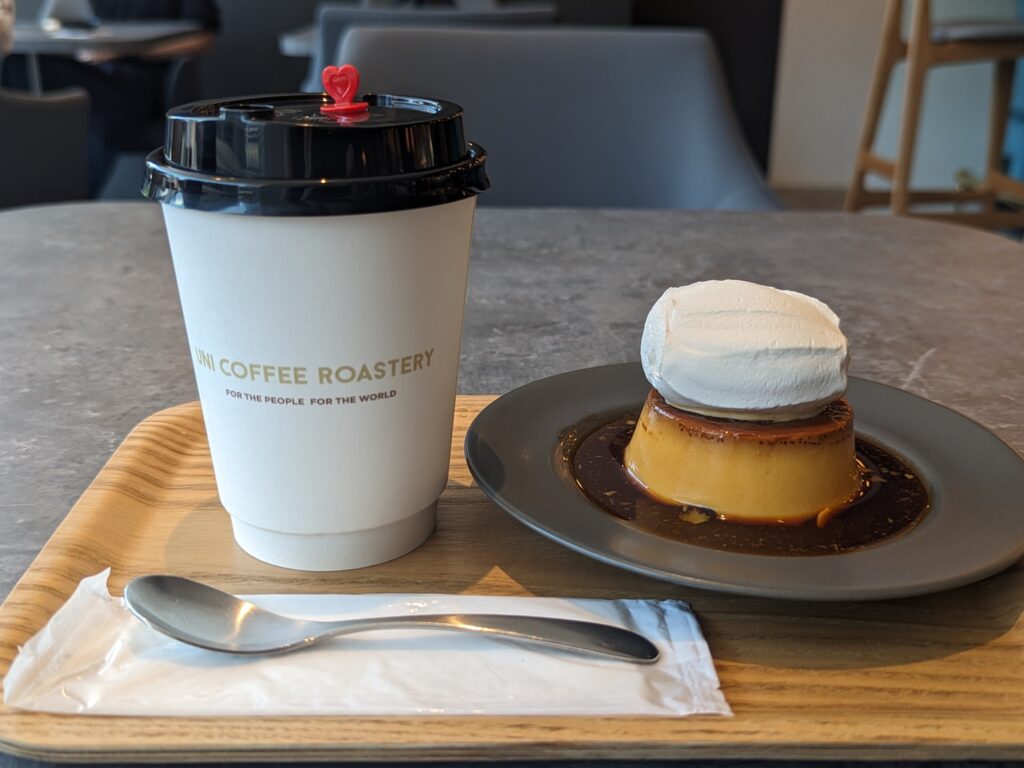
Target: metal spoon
201,615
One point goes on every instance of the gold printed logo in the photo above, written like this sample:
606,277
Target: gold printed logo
396,366
348,373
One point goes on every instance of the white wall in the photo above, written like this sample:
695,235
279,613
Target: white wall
826,58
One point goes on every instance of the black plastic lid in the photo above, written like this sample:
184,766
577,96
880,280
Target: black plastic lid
280,156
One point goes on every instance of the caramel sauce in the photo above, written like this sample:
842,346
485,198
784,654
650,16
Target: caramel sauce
834,423
893,500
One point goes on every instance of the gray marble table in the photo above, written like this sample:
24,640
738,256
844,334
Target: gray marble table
92,337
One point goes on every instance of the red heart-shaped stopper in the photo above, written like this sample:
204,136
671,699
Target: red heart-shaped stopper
341,83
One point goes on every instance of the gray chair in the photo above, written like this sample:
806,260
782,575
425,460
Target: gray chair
245,57
578,117
43,147
124,177
333,20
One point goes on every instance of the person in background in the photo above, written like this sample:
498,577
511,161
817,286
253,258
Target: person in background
127,94
6,23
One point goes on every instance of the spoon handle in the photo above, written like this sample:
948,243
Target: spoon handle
568,634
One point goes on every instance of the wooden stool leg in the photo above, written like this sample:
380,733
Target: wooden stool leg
889,52
918,50
998,115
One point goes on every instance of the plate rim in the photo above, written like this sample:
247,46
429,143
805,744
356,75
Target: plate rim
829,593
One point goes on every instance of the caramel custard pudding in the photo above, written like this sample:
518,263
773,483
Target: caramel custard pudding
760,472
746,416
893,502
745,442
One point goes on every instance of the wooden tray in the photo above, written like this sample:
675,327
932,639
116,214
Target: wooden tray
937,677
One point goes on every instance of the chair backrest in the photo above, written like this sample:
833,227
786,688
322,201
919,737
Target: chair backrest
578,117
43,147
245,57
333,20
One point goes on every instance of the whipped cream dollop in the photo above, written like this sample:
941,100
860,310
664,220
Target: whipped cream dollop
739,350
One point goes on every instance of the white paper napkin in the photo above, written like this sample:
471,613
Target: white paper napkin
94,657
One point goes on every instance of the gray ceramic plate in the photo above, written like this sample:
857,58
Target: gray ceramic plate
976,526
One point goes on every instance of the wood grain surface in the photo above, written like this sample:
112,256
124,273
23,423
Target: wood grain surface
934,677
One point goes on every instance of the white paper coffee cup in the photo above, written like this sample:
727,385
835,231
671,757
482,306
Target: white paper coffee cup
326,352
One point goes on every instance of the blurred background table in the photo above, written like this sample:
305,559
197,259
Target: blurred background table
126,38
94,339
